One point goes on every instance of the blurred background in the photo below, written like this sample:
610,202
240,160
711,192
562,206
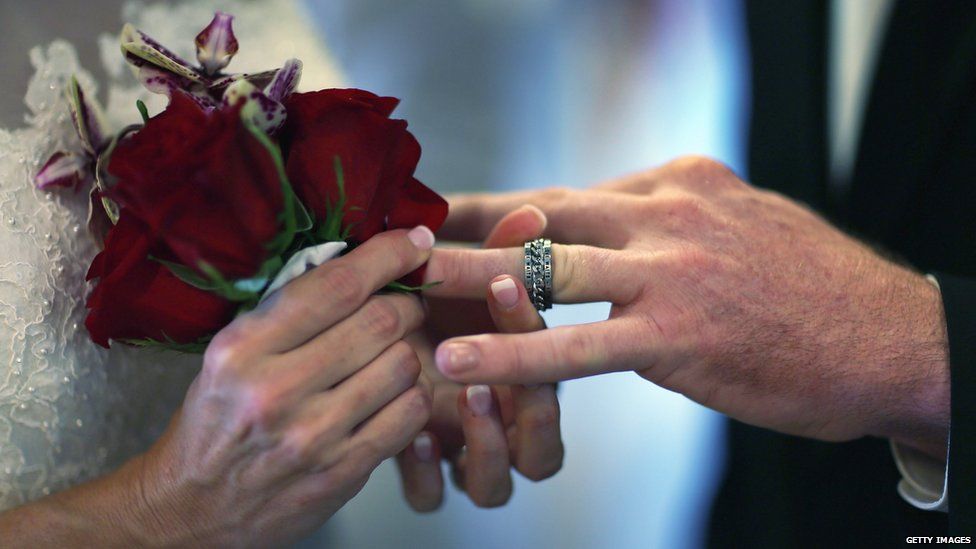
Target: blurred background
507,94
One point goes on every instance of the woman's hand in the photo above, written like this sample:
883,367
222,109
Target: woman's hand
738,298
297,402
482,431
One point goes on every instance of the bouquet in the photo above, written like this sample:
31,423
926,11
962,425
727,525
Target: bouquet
240,185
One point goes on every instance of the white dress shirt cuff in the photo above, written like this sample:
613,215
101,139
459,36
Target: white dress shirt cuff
924,480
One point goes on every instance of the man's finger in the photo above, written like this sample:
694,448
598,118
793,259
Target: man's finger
327,294
581,274
556,354
515,228
584,217
538,442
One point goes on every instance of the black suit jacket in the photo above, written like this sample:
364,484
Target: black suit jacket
913,192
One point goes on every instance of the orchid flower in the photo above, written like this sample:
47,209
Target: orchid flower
162,71
77,169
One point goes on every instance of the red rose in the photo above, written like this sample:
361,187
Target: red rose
203,184
378,157
138,298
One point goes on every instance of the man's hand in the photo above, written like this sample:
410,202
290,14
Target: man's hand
482,431
738,298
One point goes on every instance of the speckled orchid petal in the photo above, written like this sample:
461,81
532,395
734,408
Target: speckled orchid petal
141,51
216,44
260,80
162,81
64,170
285,81
266,113
87,117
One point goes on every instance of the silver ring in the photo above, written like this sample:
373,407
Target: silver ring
538,272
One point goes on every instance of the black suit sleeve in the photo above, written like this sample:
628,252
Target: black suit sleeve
959,299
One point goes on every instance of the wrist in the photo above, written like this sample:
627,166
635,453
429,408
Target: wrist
918,402
98,513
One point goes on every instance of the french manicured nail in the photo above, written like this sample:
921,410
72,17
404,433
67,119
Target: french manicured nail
505,292
479,399
423,447
456,358
421,237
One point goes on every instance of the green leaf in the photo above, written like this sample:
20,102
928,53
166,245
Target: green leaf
224,288
196,347
186,274
303,219
290,215
332,230
143,111
403,288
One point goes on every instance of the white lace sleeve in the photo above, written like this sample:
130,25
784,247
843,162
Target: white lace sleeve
70,410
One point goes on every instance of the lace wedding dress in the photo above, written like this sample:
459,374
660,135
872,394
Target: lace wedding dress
70,410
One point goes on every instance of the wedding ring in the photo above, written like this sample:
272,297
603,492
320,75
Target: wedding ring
538,272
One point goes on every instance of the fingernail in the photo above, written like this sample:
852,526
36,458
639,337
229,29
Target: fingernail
505,292
479,399
423,447
456,358
539,214
421,237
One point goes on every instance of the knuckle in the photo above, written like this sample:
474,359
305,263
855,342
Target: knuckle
298,447
257,408
683,206
568,263
406,362
542,419
700,166
381,318
418,406
341,285
226,355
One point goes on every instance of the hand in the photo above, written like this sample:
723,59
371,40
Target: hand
484,431
297,402
738,298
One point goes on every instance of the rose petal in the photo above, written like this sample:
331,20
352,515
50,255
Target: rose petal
137,298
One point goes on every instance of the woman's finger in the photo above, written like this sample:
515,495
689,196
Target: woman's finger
380,322
420,473
390,430
581,274
320,298
510,307
487,478
586,217
538,446
547,356
358,398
